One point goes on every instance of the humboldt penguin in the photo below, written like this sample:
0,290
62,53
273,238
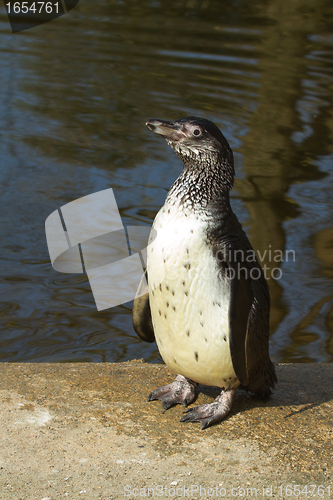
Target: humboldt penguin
204,298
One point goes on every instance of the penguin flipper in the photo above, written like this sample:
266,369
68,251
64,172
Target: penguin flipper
141,315
241,299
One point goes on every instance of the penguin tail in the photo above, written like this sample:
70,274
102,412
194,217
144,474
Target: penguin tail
262,381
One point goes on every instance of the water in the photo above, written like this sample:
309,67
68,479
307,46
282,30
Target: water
74,96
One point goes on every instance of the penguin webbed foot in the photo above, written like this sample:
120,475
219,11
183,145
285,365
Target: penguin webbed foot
181,391
211,413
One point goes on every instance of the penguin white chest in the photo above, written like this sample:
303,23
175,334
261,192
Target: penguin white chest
189,301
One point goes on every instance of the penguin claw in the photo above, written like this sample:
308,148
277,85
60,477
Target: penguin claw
207,415
181,391
212,413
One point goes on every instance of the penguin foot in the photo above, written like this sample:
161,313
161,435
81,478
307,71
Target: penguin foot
211,413
181,391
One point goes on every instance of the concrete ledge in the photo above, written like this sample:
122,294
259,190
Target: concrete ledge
86,431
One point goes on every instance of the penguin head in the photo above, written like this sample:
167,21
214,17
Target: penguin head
194,140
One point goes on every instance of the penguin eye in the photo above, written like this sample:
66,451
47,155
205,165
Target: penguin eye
196,132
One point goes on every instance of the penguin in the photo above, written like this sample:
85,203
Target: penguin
204,297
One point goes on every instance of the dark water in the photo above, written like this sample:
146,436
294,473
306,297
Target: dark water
74,96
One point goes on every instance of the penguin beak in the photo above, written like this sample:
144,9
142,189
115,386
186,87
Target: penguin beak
171,131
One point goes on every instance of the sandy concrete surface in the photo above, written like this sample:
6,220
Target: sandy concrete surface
86,431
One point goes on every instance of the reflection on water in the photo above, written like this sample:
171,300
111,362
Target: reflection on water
74,97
